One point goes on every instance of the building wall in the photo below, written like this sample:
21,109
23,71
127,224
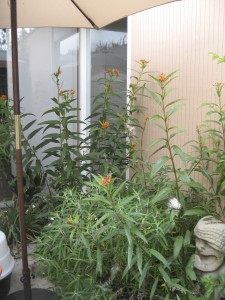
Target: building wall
179,36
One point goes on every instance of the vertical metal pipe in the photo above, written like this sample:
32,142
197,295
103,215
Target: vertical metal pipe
19,168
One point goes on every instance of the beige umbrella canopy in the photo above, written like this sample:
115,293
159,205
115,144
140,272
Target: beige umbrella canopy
53,13
72,13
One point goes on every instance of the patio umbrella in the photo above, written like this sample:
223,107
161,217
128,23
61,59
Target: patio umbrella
53,13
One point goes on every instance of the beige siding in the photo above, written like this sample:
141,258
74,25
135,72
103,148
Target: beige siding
179,36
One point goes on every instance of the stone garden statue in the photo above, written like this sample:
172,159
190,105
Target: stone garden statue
210,248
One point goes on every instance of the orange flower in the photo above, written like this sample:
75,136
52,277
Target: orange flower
144,61
4,97
162,77
57,73
70,220
133,145
61,93
117,72
146,118
106,180
108,70
72,92
1,270
105,125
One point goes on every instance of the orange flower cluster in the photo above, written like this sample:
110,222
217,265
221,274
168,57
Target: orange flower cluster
4,97
162,77
113,72
106,180
57,73
61,93
70,220
133,145
105,125
144,61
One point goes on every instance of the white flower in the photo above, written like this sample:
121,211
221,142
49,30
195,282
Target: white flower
174,204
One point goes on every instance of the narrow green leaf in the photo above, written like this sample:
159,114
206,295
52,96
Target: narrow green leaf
159,257
177,245
153,289
165,276
128,234
190,268
155,142
33,133
143,274
139,234
129,255
180,153
99,262
158,165
28,125
161,195
195,212
139,258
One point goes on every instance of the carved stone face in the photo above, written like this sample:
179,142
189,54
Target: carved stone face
207,258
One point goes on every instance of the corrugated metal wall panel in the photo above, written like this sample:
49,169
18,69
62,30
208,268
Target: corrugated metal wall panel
179,36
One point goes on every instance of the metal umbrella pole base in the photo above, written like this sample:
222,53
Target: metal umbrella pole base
37,294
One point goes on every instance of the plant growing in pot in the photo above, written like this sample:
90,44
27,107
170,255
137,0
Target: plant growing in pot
6,266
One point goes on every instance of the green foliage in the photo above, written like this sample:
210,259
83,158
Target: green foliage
107,131
6,126
61,140
210,151
213,286
9,222
111,238
115,243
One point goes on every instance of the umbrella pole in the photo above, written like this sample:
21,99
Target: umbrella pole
19,169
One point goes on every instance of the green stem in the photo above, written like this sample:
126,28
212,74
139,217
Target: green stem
168,145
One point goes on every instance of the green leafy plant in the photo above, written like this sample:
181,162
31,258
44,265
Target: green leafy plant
115,243
61,140
107,140
210,149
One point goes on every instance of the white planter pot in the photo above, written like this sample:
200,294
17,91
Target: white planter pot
7,264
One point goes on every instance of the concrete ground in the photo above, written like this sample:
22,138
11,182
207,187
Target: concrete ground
36,282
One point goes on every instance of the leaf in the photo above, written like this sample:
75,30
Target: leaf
159,257
156,117
158,165
177,245
139,258
143,274
173,102
128,234
129,255
28,125
99,262
161,195
190,268
156,141
195,212
180,153
33,133
50,122
139,234
87,246
165,276
153,289
155,97
174,109
187,238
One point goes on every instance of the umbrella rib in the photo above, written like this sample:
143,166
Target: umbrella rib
84,14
